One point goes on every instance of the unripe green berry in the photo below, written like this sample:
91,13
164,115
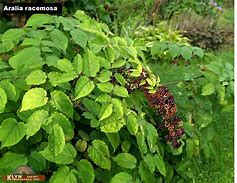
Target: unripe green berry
81,145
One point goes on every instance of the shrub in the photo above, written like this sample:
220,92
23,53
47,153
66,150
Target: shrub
70,94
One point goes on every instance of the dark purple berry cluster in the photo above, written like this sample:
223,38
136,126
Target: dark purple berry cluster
163,102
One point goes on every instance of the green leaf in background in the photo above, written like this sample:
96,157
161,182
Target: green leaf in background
91,64
34,98
208,89
77,63
11,132
85,171
122,177
9,89
114,139
61,102
27,59
186,52
3,100
198,51
59,39
150,162
63,174
105,87
37,161
83,87
56,140
132,124
125,160
105,111
80,37
38,20
160,165
65,157
11,161
104,76
36,78
120,91
99,154
35,121
65,65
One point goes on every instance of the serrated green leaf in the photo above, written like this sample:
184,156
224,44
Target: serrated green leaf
85,171
91,64
65,65
11,132
150,162
208,89
132,124
83,87
34,98
114,139
61,101
11,160
59,39
35,121
105,87
91,106
57,78
80,37
27,59
111,124
103,98
36,78
117,108
77,63
3,100
105,111
120,91
160,165
38,20
105,76
99,154
65,157
63,174
56,140
125,160
186,52
122,177
37,161
9,89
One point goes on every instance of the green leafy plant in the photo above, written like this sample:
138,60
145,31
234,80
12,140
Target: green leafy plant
70,94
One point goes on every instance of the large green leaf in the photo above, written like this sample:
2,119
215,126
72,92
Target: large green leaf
83,87
120,91
9,89
64,65
34,98
122,177
105,87
99,154
61,101
63,175
160,165
38,20
132,123
65,157
146,175
104,76
91,64
37,161
11,160
111,124
11,132
57,78
56,140
26,59
105,111
36,78
59,39
150,162
80,37
208,89
77,63
35,121
117,108
114,139
85,171
125,160
3,100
